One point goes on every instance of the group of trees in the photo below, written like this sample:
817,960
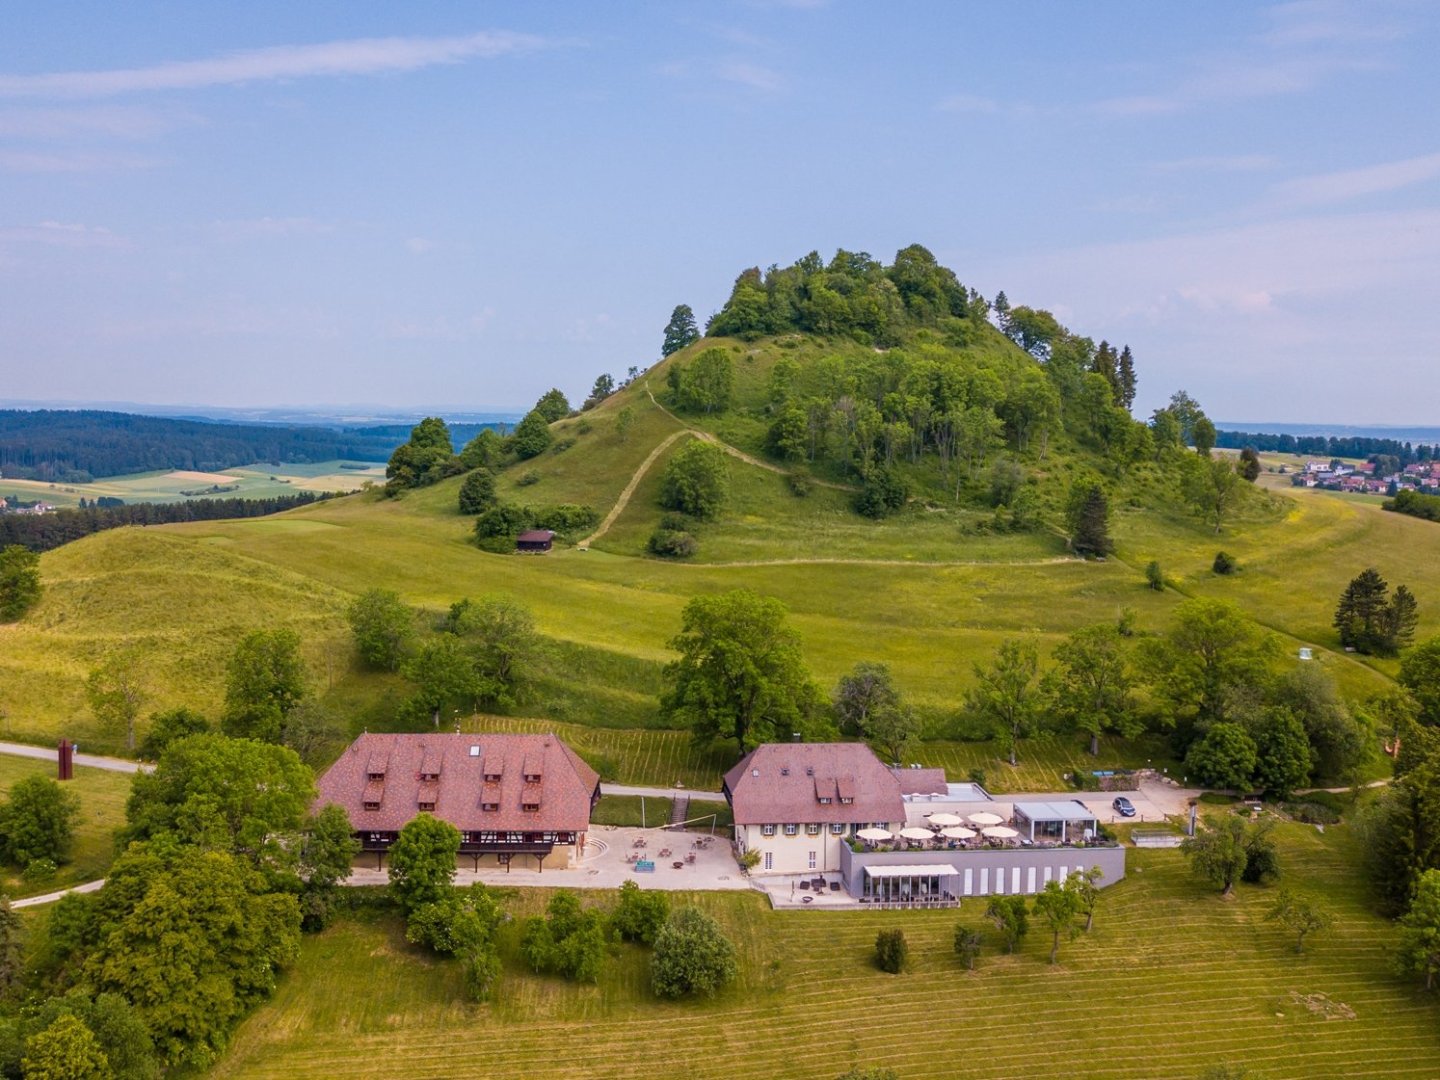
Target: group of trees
37,825
1373,621
1330,446
705,384
44,532
429,456
19,581
1414,504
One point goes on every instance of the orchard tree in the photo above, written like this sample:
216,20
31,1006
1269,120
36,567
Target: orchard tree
692,955
1218,854
1300,916
19,581
115,693
1089,688
1058,908
640,914
264,681
422,862
1085,885
1011,917
680,331
967,945
1005,695
383,626
740,674
696,480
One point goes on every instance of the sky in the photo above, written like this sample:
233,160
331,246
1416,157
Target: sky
440,205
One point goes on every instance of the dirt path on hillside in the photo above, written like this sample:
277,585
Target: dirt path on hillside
624,500
735,451
918,563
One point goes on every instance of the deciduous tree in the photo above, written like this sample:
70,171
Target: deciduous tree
1005,695
66,1050
1299,915
19,581
168,727
1420,674
1011,917
422,862
1212,486
1419,951
892,951
696,480
692,955
1058,908
1210,650
383,626
37,821
264,681
1223,758
531,436
477,492
115,692
1089,689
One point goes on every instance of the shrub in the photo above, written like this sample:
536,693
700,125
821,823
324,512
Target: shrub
1225,563
883,494
1154,576
527,478
561,446
670,544
566,517
1312,813
892,952
801,485
477,493
38,870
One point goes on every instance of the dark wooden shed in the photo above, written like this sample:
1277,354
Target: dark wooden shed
537,540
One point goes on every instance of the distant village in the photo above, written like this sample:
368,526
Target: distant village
1366,477
15,505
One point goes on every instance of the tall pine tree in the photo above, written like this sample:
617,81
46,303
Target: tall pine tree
680,330
1127,378
1089,520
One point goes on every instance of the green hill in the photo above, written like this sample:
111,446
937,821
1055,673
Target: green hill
929,590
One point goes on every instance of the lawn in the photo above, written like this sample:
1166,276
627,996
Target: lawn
634,811
102,810
1172,980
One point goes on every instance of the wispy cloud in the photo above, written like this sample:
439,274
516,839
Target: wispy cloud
754,76
1233,163
120,122
251,228
61,234
361,56
1310,22
970,103
1353,183
47,161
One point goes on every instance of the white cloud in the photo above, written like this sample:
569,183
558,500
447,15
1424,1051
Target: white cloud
61,234
752,75
1233,163
1353,183
969,103
362,56
44,161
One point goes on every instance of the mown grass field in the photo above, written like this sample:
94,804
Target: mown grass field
102,809
1172,980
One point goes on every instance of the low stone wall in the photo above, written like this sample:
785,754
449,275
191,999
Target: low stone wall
987,871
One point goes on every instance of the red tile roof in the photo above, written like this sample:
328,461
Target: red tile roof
922,781
461,762
784,782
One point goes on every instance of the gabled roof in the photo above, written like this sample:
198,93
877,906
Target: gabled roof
461,761
779,783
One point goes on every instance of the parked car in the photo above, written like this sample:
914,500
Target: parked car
1124,807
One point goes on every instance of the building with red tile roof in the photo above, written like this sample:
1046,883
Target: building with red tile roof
508,795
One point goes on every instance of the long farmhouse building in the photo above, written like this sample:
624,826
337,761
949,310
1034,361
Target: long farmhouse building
509,795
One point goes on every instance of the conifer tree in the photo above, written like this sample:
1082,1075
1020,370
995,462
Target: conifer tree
1089,520
1127,378
680,330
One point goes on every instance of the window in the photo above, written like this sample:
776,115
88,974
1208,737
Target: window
427,806
769,860
824,798
530,806
791,830
838,829
371,805
532,778
489,806
767,830
812,860
846,801
812,829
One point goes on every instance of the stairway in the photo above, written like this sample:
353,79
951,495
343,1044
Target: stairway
679,809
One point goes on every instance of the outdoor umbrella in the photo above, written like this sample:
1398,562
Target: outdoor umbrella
917,834
958,832
984,817
946,820
873,834
1000,832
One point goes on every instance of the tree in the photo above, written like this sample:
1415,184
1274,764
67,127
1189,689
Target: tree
640,913
442,672
1419,951
882,493
1085,884
1283,758
680,331
1249,467
1005,696
692,955
1224,758
1154,576
603,388
967,945
19,581
422,861
66,1050
503,644
194,941
1011,917
740,674
1210,650
1128,380
327,851
1218,854
1401,618
892,952
383,627
1088,519
696,480
1338,742
457,925
168,727
1300,916
242,796
37,821
1420,674
531,437
117,1027
115,693
624,421
1058,907
1400,836
867,703
1203,433
477,492
265,680
422,460
483,451
12,954
1362,615
552,406
706,384
1089,689
1212,486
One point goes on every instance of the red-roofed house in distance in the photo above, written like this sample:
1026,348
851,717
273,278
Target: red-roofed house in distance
509,795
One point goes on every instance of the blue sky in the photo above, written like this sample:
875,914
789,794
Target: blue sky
461,205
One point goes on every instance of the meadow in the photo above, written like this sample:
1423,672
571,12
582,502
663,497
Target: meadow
243,482
1172,979
102,797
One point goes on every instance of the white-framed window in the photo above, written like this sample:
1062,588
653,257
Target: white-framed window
767,830
813,829
846,801
838,828
824,798
812,860
791,830
769,860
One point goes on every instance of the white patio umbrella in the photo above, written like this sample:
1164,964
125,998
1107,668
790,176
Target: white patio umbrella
999,832
946,820
873,834
958,832
984,817
916,834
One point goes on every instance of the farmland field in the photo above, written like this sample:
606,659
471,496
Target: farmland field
244,482
1172,980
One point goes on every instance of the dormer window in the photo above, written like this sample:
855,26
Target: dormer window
826,799
785,772
530,806
429,806
492,777
844,800
532,778
372,804
489,806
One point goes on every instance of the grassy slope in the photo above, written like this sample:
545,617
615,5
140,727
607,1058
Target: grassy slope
1123,1003
102,807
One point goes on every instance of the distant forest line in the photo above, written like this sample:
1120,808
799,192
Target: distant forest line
76,446
1327,446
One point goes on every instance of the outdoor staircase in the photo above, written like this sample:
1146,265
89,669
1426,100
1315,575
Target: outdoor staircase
679,809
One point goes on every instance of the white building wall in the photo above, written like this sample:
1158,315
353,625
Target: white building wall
791,854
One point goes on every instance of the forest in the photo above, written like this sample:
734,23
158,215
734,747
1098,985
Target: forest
1327,446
